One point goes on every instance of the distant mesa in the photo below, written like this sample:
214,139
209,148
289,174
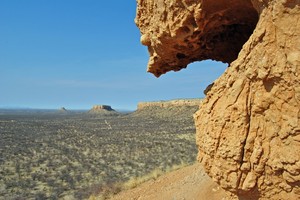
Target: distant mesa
63,110
179,108
171,103
97,108
102,109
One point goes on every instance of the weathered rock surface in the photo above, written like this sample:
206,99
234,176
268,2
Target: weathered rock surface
180,32
248,126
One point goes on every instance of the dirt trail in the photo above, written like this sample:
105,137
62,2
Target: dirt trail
189,183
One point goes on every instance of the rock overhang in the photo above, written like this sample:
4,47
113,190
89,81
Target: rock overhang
195,30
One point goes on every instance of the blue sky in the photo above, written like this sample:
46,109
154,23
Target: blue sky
78,53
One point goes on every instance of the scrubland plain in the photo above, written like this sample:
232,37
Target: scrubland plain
73,155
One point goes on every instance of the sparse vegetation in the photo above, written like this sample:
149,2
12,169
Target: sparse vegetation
75,155
107,191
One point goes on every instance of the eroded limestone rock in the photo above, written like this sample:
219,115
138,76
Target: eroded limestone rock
178,32
248,126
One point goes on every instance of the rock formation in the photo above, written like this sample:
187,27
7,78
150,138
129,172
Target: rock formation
248,126
172,103
101,109
63,110
180,32
173,110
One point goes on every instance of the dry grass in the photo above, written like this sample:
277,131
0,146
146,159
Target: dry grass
110,190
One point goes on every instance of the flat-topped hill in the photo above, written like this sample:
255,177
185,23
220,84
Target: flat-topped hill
173,109
102,109
171,103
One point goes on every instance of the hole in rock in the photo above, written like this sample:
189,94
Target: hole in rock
208,72
195,79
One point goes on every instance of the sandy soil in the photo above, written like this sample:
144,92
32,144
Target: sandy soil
189,183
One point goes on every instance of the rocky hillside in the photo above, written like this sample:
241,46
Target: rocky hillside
248,126
168,110
172,103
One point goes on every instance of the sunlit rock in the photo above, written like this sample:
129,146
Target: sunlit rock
248,126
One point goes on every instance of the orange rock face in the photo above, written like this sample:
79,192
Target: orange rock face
178,32
248,126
